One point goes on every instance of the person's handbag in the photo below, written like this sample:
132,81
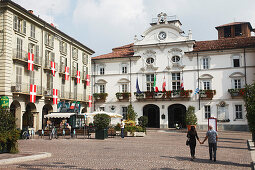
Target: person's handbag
187,142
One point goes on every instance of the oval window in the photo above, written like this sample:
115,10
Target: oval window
175,59
150,60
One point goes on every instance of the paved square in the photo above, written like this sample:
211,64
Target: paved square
158,150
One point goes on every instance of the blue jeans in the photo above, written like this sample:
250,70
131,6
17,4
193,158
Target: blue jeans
122,132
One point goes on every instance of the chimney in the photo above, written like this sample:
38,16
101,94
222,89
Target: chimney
31,11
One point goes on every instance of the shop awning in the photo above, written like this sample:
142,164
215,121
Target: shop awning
59,115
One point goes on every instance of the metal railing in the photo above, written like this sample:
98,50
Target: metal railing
24,88
23,56
47,65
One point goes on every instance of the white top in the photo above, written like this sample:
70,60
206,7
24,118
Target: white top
122,124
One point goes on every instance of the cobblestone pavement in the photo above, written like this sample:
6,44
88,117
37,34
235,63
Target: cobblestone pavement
158,150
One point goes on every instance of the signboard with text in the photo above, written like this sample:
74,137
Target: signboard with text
4,102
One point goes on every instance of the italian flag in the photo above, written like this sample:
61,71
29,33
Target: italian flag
72,105
164,85
155,84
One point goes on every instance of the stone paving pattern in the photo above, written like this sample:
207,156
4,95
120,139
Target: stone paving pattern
158,150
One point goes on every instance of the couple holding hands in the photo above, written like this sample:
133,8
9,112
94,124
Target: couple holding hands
212,137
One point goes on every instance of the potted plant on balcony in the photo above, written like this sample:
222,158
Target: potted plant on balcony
123,96
101,122
100,97
191,118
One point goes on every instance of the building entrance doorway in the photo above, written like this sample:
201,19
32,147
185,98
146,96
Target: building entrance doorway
152,112
176,115
46,110
28,118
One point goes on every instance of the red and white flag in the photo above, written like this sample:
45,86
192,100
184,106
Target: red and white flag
164,85
90,101
66,73
55,96
78,76
72,105
87,80
182,86
32,93
53,68
31,61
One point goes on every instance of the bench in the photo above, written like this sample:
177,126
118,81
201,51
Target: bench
81,132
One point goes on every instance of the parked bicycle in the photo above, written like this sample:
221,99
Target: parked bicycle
53,133
26,134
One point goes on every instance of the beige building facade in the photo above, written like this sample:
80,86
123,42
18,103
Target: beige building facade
22,34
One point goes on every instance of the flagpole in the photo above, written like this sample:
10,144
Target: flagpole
198,83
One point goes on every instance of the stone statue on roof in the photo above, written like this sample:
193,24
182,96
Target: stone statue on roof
162,17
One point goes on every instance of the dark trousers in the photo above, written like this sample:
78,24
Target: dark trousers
212,148
122,132
192,149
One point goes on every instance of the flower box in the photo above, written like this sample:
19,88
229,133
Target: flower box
139,134
100,97
123,96
207,94
237,93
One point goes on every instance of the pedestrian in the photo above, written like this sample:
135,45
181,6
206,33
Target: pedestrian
192,137
122,124
212,137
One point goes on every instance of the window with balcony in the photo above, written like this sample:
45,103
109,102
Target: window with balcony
34,49
49,39
237,84
32,77
19,24
85,58
207,111
49,83
32,31
205,62
19,48
206,85
176,81
62,47
150,82
124,112
85,72
102,88
239,111
124,88
75,53
18,78
63,64
63,88
75,89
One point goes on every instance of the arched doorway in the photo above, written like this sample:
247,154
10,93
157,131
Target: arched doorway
176,114
45,110
15,110
152,112
28,118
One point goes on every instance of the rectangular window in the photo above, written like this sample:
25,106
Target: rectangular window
236,62
19,48
84,72
237,83
49,39
75,52
75,89
101,108
49,82
32,77
205,63
227,31
176,81
124,88
124,112
19,24
207,85
101,70
239,111
63,64
124,69
238,30
63,47
101,88
32,31
63,88
18,78
207,112
150,82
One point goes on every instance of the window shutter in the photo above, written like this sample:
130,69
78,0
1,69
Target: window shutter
46,38
65,61
60,46
65,45
24,27
52,40
37,51
21,44
15,22
52,56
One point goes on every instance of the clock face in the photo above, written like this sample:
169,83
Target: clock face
162,35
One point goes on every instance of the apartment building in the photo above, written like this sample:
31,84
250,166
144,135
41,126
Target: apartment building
41,67
166,71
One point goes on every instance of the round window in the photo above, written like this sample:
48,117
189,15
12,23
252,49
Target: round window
175,59
150,60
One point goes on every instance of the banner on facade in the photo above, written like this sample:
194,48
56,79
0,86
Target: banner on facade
4,102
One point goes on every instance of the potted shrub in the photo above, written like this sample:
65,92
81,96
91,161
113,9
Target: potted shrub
139,131
118,128
101,122
191,118
143,122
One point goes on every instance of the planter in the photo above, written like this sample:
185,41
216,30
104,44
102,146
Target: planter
189,127
4,148
139,134
101,134
129,134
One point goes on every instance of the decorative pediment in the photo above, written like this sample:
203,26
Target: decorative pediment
123,80
236,75
101,81
206,76
149,52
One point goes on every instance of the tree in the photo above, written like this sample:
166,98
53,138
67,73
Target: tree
102,121
131,114
249,99
191,118
143,121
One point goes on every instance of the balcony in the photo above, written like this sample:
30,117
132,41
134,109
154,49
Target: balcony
65,96
162,96
21,56
24,89
74,73
207,94
62,69
237,93
47,65
84,76
123,96
100,97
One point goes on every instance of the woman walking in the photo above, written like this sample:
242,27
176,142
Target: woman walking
192,136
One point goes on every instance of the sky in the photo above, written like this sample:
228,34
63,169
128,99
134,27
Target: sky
104,24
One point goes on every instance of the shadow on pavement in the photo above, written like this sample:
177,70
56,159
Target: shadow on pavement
228,147
232,139
200,160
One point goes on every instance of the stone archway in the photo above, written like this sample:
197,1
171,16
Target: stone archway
84,110
152,112
176,115
28,117
15,109
47,108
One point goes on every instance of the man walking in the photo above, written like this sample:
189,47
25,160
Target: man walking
212,137
122,124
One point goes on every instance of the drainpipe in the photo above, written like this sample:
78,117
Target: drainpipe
94,84
245,69
130,99
198,82
70,66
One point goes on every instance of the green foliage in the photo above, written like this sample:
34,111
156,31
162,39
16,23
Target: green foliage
191,118
102,121
9,135
129,128
117,127
143,121
100,96
131,114
249,99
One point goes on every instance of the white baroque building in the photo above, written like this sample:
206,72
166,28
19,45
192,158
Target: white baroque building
23,34
218,69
